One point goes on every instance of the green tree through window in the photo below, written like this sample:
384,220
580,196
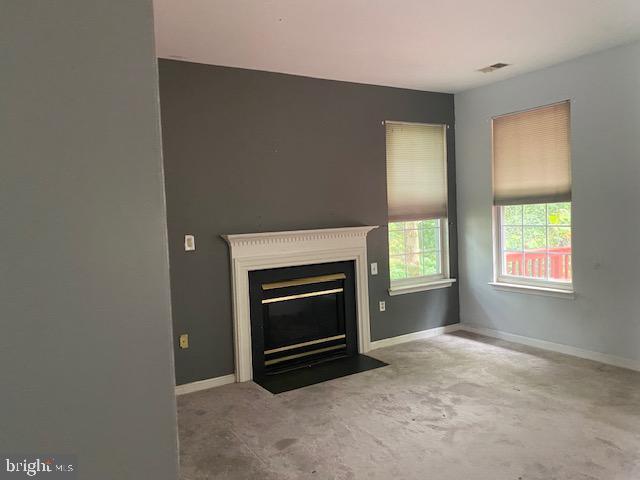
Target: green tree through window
415,249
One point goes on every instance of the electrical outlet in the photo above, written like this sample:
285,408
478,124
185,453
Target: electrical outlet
383,306
189,243
184,340
374,268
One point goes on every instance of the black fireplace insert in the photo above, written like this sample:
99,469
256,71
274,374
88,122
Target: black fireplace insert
301,316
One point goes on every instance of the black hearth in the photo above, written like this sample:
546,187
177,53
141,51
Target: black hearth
304,317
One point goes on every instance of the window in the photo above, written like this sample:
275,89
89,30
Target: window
535,243
415,250
417,201
532,198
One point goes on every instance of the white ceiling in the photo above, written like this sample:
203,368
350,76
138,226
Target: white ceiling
435,45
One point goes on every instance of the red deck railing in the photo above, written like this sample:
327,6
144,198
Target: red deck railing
533,263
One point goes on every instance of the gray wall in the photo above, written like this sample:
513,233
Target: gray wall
248,151
85,352
605,315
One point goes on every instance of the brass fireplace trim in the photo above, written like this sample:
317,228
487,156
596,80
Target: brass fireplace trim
304,344
311,352
302,295
304,281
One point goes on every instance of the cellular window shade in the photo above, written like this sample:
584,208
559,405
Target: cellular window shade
532,156
416,171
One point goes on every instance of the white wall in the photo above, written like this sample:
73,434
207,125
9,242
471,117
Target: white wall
85,352
605,315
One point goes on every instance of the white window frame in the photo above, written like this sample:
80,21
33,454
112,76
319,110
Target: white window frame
513,282
427,282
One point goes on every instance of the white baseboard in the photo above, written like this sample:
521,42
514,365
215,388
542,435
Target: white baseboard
433,332
555,347
205,384
219,381
410,337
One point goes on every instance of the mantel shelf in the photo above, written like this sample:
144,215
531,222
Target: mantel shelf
297,236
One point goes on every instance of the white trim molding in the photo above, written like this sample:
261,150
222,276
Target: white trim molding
421,287
534,290
555,347
205,384
410,337
258,251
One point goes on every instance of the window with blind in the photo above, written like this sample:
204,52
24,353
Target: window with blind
417,206
532,197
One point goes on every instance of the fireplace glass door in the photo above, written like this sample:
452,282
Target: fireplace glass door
302,315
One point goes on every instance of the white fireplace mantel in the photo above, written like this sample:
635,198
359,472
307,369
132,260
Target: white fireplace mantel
258,251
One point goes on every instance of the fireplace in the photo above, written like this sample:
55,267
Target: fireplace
301,316
252,252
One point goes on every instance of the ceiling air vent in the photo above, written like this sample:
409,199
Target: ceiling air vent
493,68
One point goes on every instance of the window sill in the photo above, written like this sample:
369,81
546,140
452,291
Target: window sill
532,290
421,287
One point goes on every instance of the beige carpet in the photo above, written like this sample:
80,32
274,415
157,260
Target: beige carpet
453,407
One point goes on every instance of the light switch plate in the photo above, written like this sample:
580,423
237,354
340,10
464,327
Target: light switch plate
189,243
184,340
383,306
374,268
